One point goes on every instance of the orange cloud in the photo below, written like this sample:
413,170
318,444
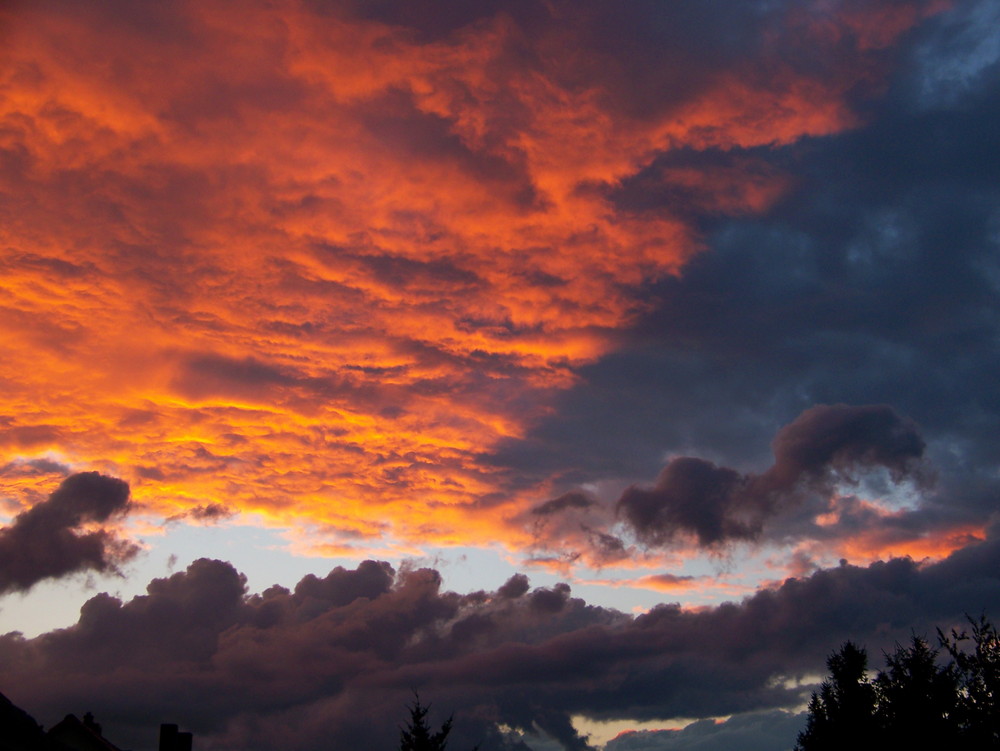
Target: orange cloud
312,266
880,542
934,544
694,589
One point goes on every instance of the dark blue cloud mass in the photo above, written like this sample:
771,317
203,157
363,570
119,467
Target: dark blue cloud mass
874,280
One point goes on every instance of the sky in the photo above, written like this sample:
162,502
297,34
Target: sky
594,369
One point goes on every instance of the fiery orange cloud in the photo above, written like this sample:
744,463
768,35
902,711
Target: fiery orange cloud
880,542
933,545
886,534
312,266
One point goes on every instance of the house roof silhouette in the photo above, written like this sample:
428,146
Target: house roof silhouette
20,732
80,735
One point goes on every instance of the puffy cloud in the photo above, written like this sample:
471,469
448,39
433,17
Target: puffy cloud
831,486
825,444
514,587
332,662
841,439
693,496
53,539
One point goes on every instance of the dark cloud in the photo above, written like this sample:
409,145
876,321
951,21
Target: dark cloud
35,467
550,600
514,587
208,513
570,523
607,548
563,502
209,375
841,440
822,446
692,495
873,279
331,664
341,586
47,541
642,56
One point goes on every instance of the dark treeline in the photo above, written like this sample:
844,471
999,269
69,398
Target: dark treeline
918,701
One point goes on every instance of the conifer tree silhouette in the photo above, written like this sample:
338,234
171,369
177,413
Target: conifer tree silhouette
916,701
417,736
917,697
842,713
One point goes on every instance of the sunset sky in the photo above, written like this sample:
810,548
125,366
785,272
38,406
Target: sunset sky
593,368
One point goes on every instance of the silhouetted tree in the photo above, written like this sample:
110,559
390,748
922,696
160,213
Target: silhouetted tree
916,702
917,698
843,711
978,706
417,736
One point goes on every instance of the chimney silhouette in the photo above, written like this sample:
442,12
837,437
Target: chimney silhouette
172,740
88,721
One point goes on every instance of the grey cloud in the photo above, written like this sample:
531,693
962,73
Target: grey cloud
825,444
693,495
208,512
211,512
41,466
45,542
341,586
209,374
563,502
842,439
332,663
514,587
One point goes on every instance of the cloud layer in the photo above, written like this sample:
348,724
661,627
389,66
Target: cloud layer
331,663
342,251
